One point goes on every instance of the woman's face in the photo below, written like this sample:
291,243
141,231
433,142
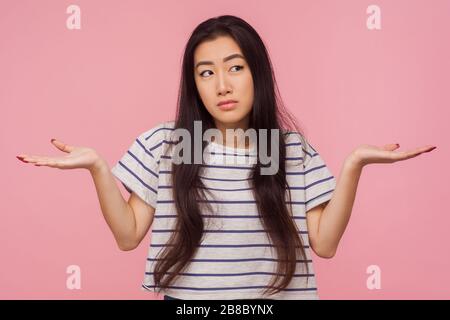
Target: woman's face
218,80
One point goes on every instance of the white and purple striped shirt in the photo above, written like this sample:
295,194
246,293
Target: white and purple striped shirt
236,259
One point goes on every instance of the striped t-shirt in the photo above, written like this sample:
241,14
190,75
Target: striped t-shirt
235,259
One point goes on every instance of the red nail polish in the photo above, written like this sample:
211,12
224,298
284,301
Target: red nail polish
21,159
52,140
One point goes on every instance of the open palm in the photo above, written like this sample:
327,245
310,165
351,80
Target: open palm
76,157
366,154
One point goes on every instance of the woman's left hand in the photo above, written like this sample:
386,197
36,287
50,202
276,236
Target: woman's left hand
366,154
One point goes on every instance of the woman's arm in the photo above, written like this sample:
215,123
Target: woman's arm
336,214
117,212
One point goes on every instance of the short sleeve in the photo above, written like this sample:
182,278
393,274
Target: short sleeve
138,169
319,180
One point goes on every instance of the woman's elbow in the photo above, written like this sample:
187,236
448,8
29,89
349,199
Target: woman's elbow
326,254
127,246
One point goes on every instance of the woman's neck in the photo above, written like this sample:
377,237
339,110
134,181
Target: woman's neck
237,138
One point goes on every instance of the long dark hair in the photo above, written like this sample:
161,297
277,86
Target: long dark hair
269,191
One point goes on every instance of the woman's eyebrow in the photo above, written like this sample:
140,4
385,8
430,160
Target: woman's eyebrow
233,56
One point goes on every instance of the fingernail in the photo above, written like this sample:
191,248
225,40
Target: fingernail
21,159
52,140
397,145
431,149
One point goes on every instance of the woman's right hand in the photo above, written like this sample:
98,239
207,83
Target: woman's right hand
77,157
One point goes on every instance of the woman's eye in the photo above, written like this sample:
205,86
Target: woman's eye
201,74
240,68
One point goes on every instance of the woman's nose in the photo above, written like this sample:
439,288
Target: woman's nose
223,85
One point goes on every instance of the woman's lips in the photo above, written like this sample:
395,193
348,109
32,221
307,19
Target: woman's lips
228,106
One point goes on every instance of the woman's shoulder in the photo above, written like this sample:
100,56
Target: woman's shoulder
294,138
155,138
296,144
159,132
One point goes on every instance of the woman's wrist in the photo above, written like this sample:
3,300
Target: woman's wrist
98,166
354,162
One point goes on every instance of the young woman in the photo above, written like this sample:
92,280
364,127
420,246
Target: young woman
221,229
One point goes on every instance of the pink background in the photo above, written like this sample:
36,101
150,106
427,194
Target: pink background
118,76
